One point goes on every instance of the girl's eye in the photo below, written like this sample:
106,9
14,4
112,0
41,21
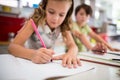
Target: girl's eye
81,13
51,12
61,15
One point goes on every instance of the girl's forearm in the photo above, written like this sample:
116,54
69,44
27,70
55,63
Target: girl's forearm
85,41
20,51
73,49
68,39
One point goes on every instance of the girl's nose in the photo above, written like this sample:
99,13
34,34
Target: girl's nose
56,17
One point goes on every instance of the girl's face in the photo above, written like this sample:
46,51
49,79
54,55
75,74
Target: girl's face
56,12
81,16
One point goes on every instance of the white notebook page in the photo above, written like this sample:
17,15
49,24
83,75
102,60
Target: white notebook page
21,69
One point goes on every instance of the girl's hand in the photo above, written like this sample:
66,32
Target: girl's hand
42,55
114,49
117,50
99,48
68,60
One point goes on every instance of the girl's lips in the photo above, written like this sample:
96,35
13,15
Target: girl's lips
53,22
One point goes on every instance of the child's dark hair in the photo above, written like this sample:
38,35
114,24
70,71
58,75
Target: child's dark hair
39,15
87,8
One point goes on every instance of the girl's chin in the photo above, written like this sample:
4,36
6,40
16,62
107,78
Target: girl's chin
53,26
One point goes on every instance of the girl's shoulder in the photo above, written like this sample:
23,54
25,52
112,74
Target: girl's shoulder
87,28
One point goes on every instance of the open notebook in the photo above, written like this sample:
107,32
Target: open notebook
103,59
20,69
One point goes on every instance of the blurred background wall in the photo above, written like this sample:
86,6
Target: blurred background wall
105,19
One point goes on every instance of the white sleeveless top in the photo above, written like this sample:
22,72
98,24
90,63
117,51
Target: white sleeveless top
47,35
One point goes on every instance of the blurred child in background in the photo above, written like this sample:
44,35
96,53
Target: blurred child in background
81,31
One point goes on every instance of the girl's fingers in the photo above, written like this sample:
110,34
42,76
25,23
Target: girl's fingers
48,51
100,48
78,62
45,54
57,57
38,60
75,63
44,60
41,56
103,47
46,57
69,63
64,62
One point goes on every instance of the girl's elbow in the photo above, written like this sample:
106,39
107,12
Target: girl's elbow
10,48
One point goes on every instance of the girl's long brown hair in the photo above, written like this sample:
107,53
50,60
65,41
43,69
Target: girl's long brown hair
39,15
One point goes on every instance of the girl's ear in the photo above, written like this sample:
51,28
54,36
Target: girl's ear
88,17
